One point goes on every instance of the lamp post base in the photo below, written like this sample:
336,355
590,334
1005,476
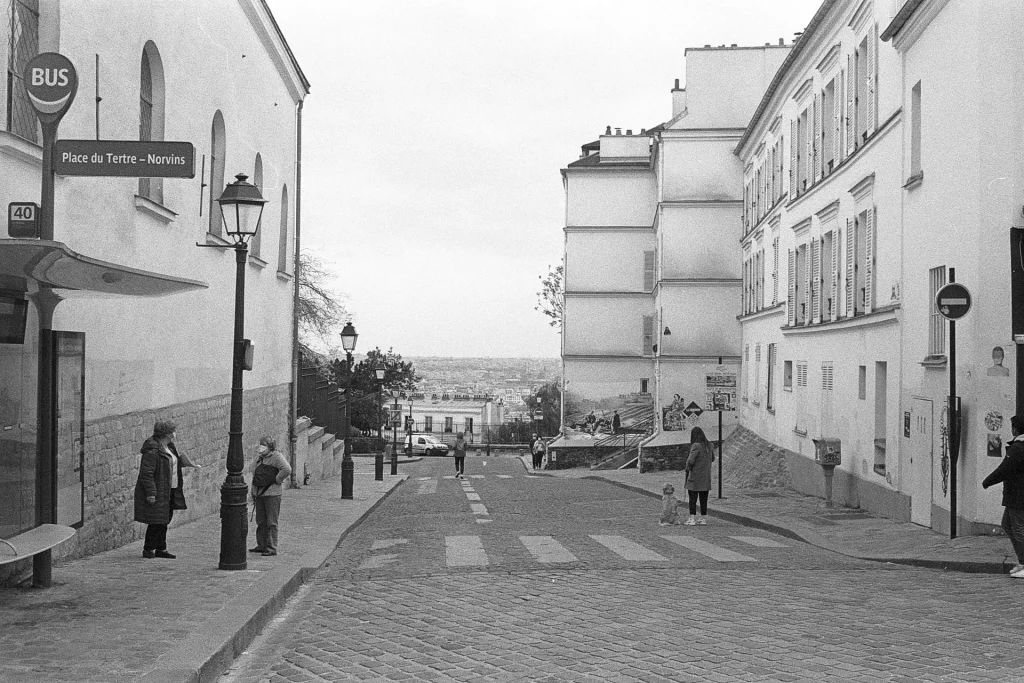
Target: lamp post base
378,467
394,461
234,523
347,475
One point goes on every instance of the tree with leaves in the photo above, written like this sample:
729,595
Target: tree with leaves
365,413
320,309
550,395
551,297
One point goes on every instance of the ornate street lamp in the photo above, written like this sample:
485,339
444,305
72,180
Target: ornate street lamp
241,208
409,427
348,342
378,460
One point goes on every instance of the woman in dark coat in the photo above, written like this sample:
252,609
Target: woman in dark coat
158,491
698,479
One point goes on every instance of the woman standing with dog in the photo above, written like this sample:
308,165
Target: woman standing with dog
698,479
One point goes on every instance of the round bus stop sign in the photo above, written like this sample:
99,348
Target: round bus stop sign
51,82
953,301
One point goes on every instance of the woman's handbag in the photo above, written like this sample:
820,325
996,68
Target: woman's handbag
264,476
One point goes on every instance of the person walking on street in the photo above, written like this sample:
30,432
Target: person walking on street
266,494
698,475
158,490
616,422
1011,473
460,456
539,448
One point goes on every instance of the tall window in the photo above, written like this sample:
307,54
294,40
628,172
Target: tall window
469,425
283,244
772,353
645,385
800,291
915,130
828,132
936,323
151,113
828,295
757,374
448,425
24,45
647,340
802,160
218,147
859,263
257,180
428,423
648,271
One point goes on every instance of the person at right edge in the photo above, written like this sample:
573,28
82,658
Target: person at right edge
698,475
1011,473
267,500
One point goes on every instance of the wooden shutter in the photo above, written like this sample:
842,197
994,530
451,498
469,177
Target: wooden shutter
872,78
819,153
869,260
816,279
808,143
648,271
775,272
807,284
770,156
851,280
837,117
791,296
851,104
836,236
793,142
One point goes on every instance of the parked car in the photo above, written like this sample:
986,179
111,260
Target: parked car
424,444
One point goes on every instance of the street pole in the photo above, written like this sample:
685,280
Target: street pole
952,429
347,466
719,447
394,438
378,460
234,527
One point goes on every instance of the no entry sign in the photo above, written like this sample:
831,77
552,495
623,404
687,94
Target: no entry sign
953,301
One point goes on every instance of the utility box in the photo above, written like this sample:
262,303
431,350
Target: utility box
828,452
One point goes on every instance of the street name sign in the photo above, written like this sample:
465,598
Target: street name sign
953,301
124,158
23,219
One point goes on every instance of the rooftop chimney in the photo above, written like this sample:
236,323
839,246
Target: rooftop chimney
608,130
618,131
629,131
782,41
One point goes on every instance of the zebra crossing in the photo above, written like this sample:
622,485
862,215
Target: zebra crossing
469,551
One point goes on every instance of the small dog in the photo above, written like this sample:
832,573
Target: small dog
669,513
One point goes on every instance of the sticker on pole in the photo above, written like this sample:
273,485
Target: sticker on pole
953,301
51,82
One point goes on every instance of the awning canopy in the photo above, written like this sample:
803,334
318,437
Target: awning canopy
53,265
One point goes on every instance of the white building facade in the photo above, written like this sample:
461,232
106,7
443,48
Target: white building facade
845,245
144,323
652,274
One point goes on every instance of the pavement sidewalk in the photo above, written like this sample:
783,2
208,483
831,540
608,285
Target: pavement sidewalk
115,616
849,531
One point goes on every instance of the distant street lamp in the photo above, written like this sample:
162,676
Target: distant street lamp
348,342
540,417
409,426
395,417
241,206
378,460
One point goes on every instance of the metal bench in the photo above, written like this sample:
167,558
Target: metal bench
33,542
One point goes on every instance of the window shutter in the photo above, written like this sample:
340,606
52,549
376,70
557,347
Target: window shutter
791,296
808,143
771,176
648,271
807,284
792,160
872,78
648,339
835,274
851,106
816,280
819,153
869,260
851,282
775,272
837,116
760,278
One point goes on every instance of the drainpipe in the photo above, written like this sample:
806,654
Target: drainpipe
293,388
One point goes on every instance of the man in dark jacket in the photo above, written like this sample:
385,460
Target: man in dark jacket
1011,473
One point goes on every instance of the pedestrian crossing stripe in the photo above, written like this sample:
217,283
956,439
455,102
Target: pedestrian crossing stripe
708,549
468,551
472,496
478,508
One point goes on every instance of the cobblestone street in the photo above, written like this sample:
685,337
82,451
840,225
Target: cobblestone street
507,577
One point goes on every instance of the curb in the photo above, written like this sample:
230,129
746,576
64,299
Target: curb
193,660
966,567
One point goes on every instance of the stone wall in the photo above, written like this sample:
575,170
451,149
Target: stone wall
665,458
567,458
112,461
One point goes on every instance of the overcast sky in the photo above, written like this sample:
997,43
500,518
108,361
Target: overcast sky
435,130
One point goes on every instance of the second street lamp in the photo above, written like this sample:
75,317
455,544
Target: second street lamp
348,342
396,417
378,460
241,207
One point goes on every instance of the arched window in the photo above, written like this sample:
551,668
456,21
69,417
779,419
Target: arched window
217,151
151,113
257,180
282,251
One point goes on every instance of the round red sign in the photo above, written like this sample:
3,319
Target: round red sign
51,82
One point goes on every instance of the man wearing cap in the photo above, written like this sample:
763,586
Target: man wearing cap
1011,473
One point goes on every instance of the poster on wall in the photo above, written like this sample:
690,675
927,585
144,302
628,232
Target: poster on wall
994,440
721,390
